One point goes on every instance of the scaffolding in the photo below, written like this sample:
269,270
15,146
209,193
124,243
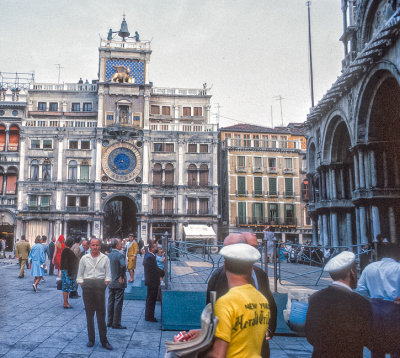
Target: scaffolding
16,80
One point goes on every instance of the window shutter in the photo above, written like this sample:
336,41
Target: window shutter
242,212
258,185
289,186
241,181
272,186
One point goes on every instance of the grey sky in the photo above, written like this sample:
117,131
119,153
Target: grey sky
248,50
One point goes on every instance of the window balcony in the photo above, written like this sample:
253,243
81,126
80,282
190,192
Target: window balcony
272,194
290,221
41,208
258,194
76,209
241,169
288,171
258,170
289,194
241,193
192,212
272,170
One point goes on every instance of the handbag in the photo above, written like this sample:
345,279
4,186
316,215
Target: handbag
59,285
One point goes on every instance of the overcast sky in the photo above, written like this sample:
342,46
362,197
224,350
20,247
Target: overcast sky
248,50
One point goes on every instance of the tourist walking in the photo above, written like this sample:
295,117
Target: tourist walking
269,239
94,275
339,321
52,247
69,269
3,248
152,276
21,253
60,244
117,286
37,258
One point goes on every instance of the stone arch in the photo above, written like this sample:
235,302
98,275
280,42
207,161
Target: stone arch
311,157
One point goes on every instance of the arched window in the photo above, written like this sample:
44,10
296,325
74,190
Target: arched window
14,139
157,174
84,171
192,175
169,174
2,138
46,170
34,169
72,170
1,180
203,175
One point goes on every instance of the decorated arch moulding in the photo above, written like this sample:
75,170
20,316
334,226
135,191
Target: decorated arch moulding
110,197
383,65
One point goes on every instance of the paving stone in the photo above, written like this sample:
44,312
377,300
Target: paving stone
16,353
44,352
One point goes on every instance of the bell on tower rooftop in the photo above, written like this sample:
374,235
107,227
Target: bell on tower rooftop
123,32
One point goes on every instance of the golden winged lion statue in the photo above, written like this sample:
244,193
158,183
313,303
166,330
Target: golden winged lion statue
122,75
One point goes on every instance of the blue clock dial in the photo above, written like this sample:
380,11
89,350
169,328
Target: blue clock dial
122,161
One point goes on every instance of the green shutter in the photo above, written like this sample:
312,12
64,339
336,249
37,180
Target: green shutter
241,181
289,186
258,185
258,213
242,212
272,186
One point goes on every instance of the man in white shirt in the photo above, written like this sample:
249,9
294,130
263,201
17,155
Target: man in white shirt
381,282
94,274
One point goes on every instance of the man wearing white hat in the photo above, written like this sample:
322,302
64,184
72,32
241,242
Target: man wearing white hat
243,313
338,322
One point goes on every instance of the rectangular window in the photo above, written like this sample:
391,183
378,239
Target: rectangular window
84,173
154,109
241,185
289,186
192,148
203,148
42,106
168,205
53,107
288,163
289,214
191,206
84,201
197,111
45,201
241,162
258,186
236,141
169,147
256,141
157,205
272,189
264,142
273,214
76,107
284,143
47,144
33,201
166,110
136,118
258,163
187,111
258,213
35,144
71,200
158,147
73,144
274,138
246,140
85,144
87,107
203,206
304,190
272,163
242,212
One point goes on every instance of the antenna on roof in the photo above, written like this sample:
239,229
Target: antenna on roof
280,98
59,70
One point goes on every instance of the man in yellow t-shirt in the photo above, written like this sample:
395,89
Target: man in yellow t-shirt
243,312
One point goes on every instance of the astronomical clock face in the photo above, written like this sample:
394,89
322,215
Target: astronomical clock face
121,162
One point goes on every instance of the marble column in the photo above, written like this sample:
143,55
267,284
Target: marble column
356,178
367,170
358,233
392,224
325,236
372,164
99,143
350,181
333,185
363,226
396,169
349,230
7,139
314,232
65,228
342,188
88,229
323,188
385,170
361,168
146,112
334,229
146,162
376,225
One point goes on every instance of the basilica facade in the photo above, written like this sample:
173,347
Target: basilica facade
108,158
353,144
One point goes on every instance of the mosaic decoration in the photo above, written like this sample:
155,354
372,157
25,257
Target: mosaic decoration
136,69
121,162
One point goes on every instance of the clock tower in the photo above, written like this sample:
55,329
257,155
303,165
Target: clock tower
123,116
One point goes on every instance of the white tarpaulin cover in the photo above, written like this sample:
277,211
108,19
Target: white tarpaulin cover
199,232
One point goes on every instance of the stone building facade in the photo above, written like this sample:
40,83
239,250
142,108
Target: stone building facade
114,156
353,145
263,180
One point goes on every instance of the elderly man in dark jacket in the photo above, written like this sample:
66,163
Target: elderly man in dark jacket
152,275
117,285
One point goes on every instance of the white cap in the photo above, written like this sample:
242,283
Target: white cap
340,262
241,253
